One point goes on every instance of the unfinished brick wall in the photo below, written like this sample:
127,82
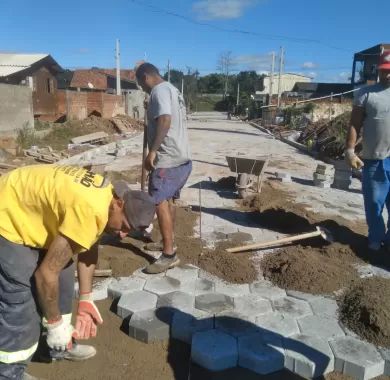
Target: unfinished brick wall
79,105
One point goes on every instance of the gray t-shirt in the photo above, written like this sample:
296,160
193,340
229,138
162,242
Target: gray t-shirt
174,151
375,100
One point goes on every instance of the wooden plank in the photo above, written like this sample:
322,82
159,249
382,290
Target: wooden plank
97,136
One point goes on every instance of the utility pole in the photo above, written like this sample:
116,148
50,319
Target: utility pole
182,86
169,72
118,69
271,79
281,60
238,94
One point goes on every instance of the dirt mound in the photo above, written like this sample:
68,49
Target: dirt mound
308,269
365,309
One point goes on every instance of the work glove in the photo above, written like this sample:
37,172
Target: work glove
353,160
87,319
59,335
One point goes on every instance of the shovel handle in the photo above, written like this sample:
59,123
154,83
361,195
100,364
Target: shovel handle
274,242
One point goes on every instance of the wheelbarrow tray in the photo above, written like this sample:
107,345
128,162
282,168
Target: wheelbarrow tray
247,165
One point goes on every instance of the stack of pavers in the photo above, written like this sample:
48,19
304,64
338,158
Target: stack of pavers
323,176
342,176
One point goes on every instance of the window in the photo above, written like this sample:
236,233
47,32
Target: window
49,85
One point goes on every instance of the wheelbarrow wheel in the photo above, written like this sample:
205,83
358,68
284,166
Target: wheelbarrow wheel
243,181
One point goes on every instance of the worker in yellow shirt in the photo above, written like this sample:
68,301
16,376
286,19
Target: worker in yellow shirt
48,213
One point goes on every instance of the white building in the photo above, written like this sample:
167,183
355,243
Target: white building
287,80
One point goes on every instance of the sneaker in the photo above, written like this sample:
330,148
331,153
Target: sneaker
162,264
157,247
374,246
80,352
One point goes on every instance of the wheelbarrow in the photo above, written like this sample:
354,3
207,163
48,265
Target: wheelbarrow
247,169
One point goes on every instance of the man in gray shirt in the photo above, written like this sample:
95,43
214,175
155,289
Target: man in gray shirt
371,112
169,159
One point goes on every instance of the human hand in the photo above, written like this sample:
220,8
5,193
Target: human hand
149,161
59,335
353,160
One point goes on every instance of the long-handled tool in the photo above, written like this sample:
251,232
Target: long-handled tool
320,231
144,150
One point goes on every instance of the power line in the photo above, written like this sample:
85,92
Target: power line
274,37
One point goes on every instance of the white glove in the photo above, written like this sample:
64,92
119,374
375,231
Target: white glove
353,160
59,335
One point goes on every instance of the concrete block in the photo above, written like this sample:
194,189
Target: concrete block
134,302
308,356
124,285
198,287
184,325
324,169
321,184
100,289
385,352
267,290
292,307
162,285
150,326
231,290
214,303
214,350
322,177
260,355
324,307
276,323
357,359
321,327
185,273
252,305
235,324
177,301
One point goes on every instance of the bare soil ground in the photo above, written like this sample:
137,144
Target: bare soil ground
365,309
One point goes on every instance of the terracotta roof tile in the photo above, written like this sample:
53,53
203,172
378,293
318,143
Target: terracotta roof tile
91,79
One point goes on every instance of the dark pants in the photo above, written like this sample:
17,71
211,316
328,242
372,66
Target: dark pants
20,318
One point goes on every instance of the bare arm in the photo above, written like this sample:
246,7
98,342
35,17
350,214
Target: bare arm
163,125
46,276
85,267
356,123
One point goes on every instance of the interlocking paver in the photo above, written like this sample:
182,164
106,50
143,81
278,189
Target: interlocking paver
135,302
292,307
267,290
308,356
260,355
325,328
214,350
214,303
278,324
141,274
150,325
100,289
357,359
184,274
324,307
198,287
177,301
235,324
162,285
125,285
252,305
301,295
385,352
231,290
184,325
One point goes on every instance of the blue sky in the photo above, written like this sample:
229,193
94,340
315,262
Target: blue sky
319,36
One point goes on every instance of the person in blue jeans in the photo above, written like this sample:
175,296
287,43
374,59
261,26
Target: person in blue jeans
371,112
169,159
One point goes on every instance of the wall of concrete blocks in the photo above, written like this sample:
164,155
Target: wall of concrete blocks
16,109
135,104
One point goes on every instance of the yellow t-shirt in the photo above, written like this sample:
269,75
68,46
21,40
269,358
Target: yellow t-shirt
39,202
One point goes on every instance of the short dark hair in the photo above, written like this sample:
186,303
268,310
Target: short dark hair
146,68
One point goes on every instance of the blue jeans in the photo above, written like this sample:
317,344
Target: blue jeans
376,189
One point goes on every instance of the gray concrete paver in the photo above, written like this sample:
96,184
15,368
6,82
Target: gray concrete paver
135,302
322,327
292,307
214,303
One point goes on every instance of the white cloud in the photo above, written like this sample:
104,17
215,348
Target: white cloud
312,74
221,9
259,63
309,65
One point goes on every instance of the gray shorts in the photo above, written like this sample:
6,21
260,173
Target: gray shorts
166,183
